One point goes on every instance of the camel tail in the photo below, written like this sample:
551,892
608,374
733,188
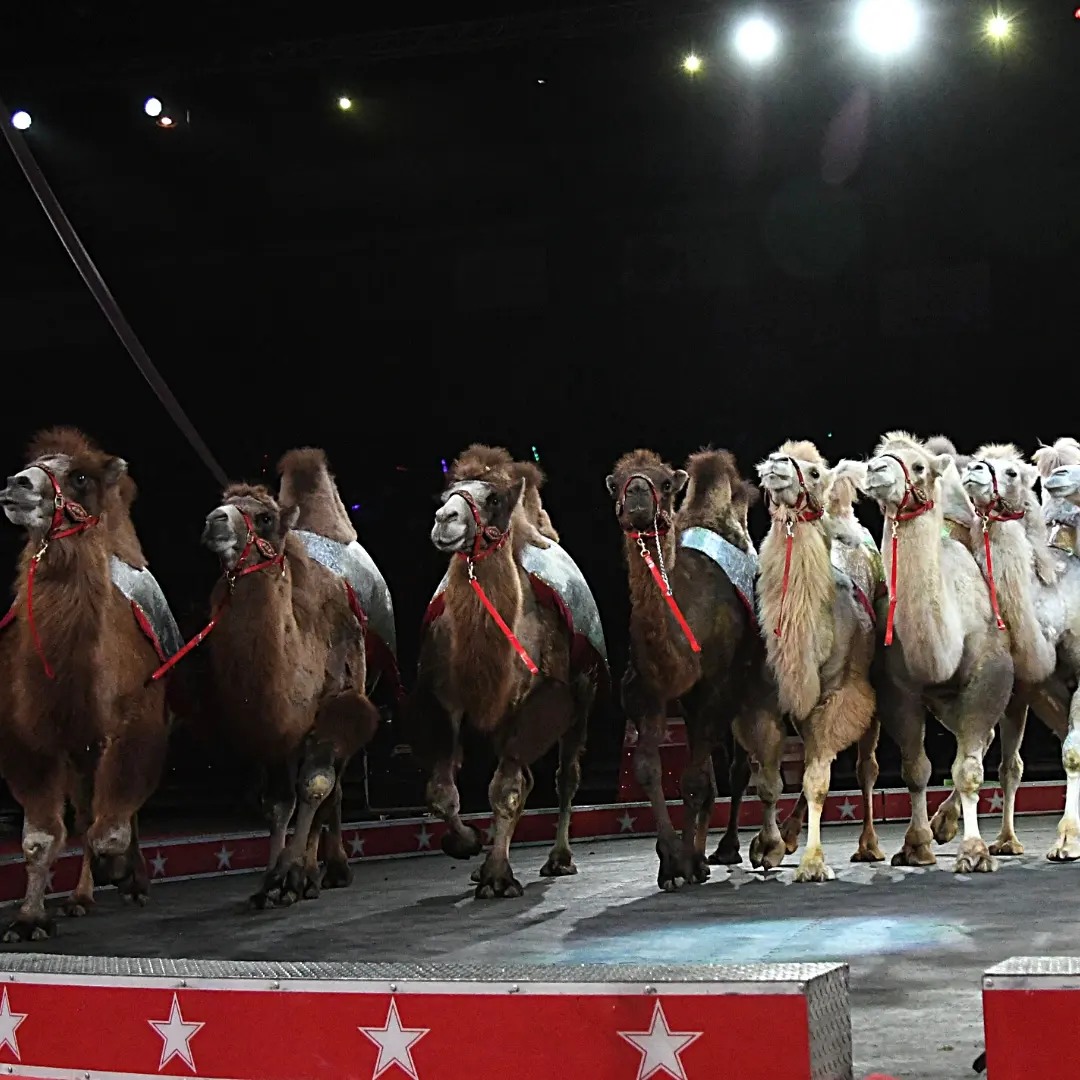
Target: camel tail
308,484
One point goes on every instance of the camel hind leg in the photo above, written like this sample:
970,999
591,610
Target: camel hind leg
727,850
1010,773
761,731
560,861
80,795
866,769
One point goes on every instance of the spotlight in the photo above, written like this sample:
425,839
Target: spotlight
755,39
344,103
998,27
886,27
152,106
691,63
21,120
165,122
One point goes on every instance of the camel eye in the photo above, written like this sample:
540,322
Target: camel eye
920,469
80,480
815,474
264,520
1010,473
666,485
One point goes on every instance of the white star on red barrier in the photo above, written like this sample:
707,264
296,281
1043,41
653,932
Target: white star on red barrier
423,838
847,810
224,859
9,1024
660,1047
356,845
177,1035
996,801
394,1043
158,863
626,822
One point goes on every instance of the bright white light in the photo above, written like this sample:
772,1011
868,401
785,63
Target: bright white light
998,26
886,27
21,120
691,63
755,40
165,121
344,104
152,106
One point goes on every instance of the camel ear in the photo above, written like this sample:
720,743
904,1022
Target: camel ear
679,480
517,493
1030,474
609,483
290,515
855,471
939,463
115,467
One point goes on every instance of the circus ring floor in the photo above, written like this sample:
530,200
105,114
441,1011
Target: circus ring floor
917,940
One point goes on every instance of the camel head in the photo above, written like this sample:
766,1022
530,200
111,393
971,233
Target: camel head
1059,468
903,474
998,478
476,510
796,477
644,489
247,514
65,473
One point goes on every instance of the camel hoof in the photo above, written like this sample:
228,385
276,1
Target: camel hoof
673,884
1009,846
559,864
23,930
338,875
77,907
814,868
944,827
726,854
974,858
462,846
869,853
474,877
767,854
914,855
261,901
790,836
1065,849
700,872
671,875
498,885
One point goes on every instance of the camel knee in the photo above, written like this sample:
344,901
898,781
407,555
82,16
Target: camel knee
968,775
1011,769
317,784
108,841
646,766
916,772
1070,753
36,845
694,784
507,790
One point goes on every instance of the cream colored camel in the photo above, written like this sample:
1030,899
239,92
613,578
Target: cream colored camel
942,648
819,633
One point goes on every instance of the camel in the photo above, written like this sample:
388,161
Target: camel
694,639
511,645
948,655
818,625
80,722
288,666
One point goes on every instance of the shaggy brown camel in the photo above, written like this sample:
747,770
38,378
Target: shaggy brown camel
818,625
948,654
80,724
693,639
511,645
289,670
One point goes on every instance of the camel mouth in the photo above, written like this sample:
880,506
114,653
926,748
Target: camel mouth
1056,485
19,499
448,544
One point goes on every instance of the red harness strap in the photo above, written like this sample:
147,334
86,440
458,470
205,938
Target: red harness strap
660,529
918,506
804,511
239,570
486,540
995,510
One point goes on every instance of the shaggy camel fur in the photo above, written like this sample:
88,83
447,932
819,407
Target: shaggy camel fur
948,655
80,723
470,670
819,632
723,687
289,669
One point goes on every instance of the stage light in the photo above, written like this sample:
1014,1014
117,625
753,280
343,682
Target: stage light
998,27
691,63
21,120
755,39
344,104
165,122
886,27
152,106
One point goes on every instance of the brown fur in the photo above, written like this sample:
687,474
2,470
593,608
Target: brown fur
307,483
717,497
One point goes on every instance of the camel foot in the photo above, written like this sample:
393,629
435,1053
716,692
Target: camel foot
338,875
727,852
767,852
790,832
945,825
283,886
1007,845
1066,848
497,881
23,930
914,855
462,845
697,869
814,868
869,851
474,877
671,875
974,858
135,889
560,863
77,907
308,883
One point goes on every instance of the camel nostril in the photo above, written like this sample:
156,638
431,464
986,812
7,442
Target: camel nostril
21,481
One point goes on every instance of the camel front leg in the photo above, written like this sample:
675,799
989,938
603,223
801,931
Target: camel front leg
560,860
945,823
649,774
338,873
727,851
869,849
816,777
461,840
793,823
759,728
1010,773
507,791
1067,846
698,786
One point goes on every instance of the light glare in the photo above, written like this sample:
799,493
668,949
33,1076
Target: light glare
152,106
755,40
886,27
21,120
344,103
998,26
692,63
165,121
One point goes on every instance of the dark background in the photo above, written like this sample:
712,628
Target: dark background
534,230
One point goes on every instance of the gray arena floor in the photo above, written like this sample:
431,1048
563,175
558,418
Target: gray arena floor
917,940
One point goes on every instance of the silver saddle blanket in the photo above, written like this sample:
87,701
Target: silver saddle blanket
354,565
740,566
141,589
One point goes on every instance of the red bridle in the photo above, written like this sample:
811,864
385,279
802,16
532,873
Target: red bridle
802,512
487,539
660,529
241,568
994,510
912,505
64,509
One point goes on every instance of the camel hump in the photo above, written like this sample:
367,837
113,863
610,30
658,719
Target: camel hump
717,497
308,484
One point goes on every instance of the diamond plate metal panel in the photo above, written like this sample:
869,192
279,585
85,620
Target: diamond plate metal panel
1034,973
829,1022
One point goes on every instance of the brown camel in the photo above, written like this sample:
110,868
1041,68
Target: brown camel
288,666
512,645
80,724
818,624
694,639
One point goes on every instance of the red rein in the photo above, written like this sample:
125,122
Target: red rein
918,506
805,511
995,511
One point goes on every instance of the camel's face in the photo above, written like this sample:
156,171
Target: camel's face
644,492
455,524
226,532
886,480
1063,483
1013,477
29,499
786,479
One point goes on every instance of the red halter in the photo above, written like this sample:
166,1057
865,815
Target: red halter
660,529
995,510
487,539
912,505
63,508
270,557
803,511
